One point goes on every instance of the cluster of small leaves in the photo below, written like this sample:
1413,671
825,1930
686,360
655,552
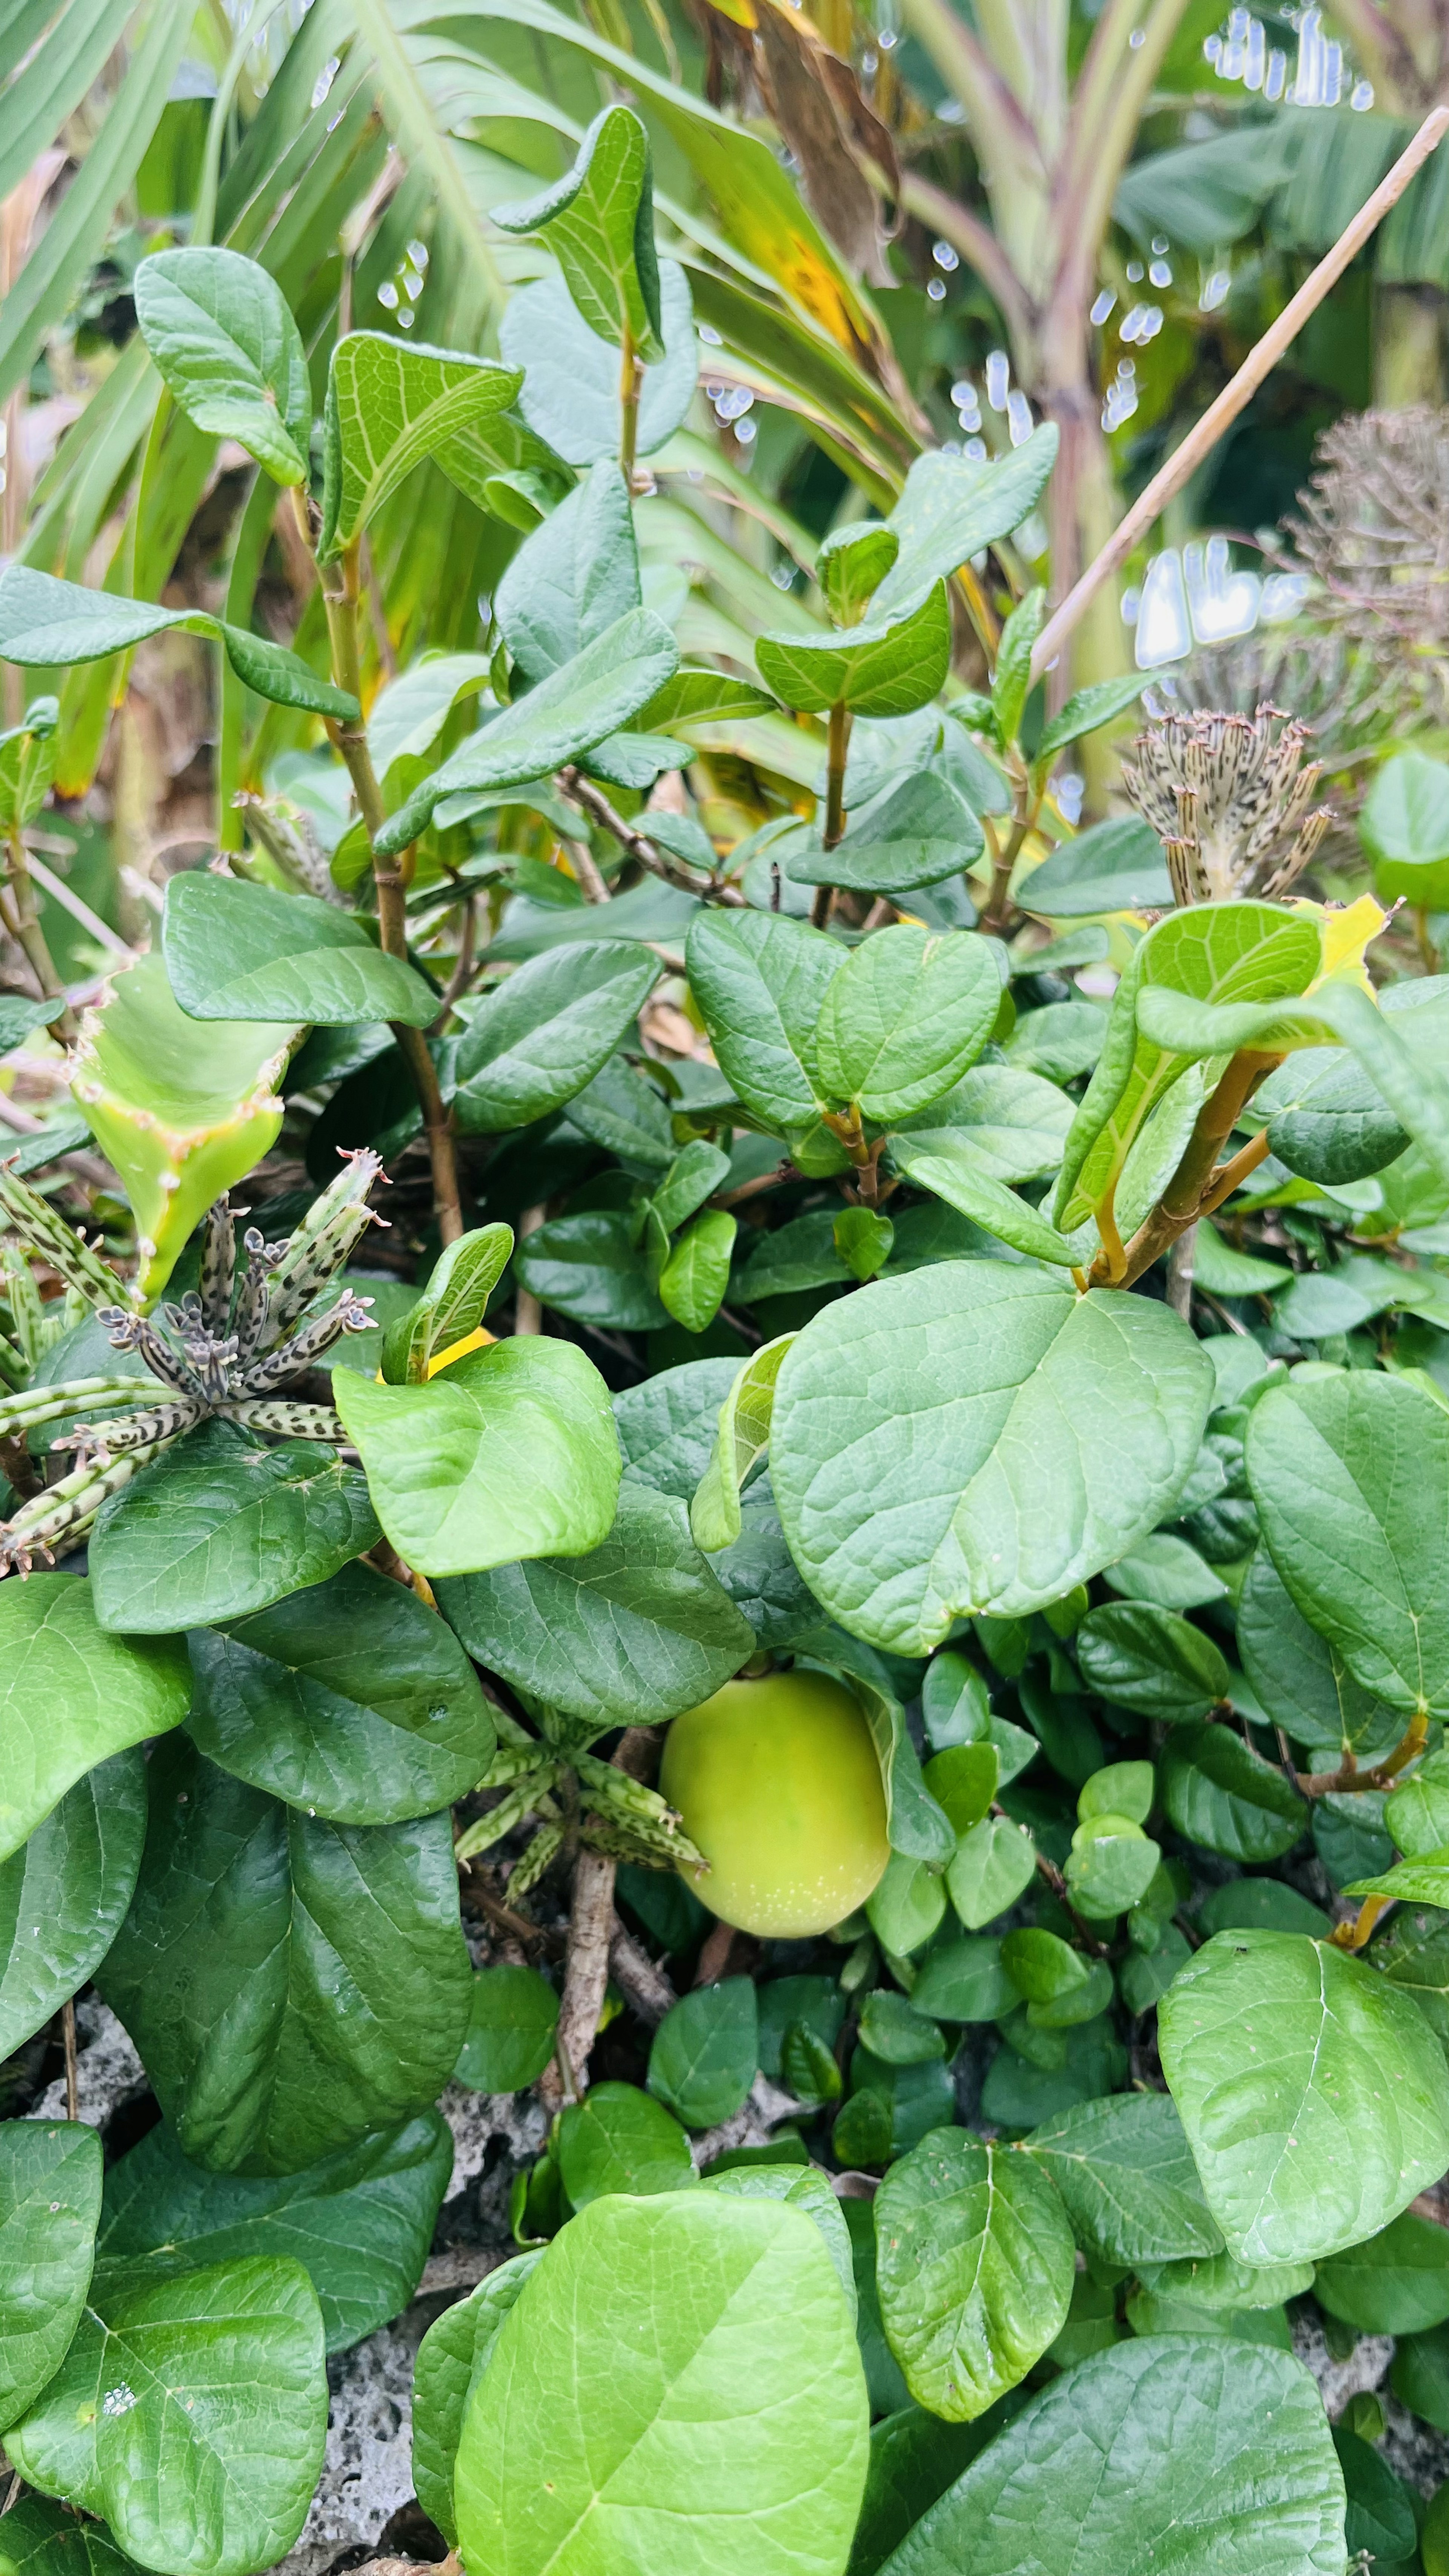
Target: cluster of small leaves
1137,2035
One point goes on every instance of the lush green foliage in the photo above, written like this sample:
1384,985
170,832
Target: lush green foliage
1037,1666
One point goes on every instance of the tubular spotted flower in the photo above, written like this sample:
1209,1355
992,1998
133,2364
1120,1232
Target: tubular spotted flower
227,1350
1229,801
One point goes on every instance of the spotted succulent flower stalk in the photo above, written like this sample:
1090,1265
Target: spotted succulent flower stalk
1229,797
226,1351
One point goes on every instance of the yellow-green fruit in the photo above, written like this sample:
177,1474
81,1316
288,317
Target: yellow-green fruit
778,1783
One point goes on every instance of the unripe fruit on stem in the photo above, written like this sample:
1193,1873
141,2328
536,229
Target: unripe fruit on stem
778,1783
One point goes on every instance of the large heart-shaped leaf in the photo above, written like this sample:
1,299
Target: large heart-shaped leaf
511,1452
64,1893
570,393
735,2440
1351,1479
190,2412
905,1016
391,404
1314,2094
249,952
635,1631
70,1695
222,1525
1123,2168
576,707
1172,2451
182,1110
974,2266
547,1030
50,2200
598,220
290,1984
227,349
360,2223
46,623
974,1438
888,666
351,1700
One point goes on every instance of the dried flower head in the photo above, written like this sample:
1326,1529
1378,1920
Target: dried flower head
1374,527
1228,797
225,1351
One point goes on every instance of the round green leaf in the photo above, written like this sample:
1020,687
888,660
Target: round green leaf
975,2262
1219,1794
734,2443
250,1926
1405,828
223,338
511,1452
705,2052
545,1032
451,2360
511,2031
619,2140
1151,1661
1314,2095
190,2412
1174,2452
70,1695
974,1438
1123,2168
886,666
352,1700
906,1016
1396,2283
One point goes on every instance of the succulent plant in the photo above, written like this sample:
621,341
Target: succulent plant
1229,798
228,1349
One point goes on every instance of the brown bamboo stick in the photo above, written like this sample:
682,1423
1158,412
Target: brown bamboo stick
1204,436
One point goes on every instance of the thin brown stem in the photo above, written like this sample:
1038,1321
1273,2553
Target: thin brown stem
1200,1183
1004,858
1348,1778
591,1928
593,802
775,1180
67,2033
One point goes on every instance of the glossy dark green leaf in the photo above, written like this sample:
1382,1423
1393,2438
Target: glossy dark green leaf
618,2139
1123,2168
1174,2451
1326,1120
1380,2518
64,1894
545,1032
510,2032
704,2055
737,2438
927,1431
1301,1680
510,1452
919,831
452,2357
1151,1661
964,1981
635,1631
352,1701
894,2030
1085,710
590,1268
70,1695
227,349
45,2539
1351,1478
250,1925
1113,867
359,2223
190,2412
50,2200
249,952
221,1525
1019,2095
914,2458
693,1280
1411,1950
995,1863
974,2259
1314,2095
1228,1799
